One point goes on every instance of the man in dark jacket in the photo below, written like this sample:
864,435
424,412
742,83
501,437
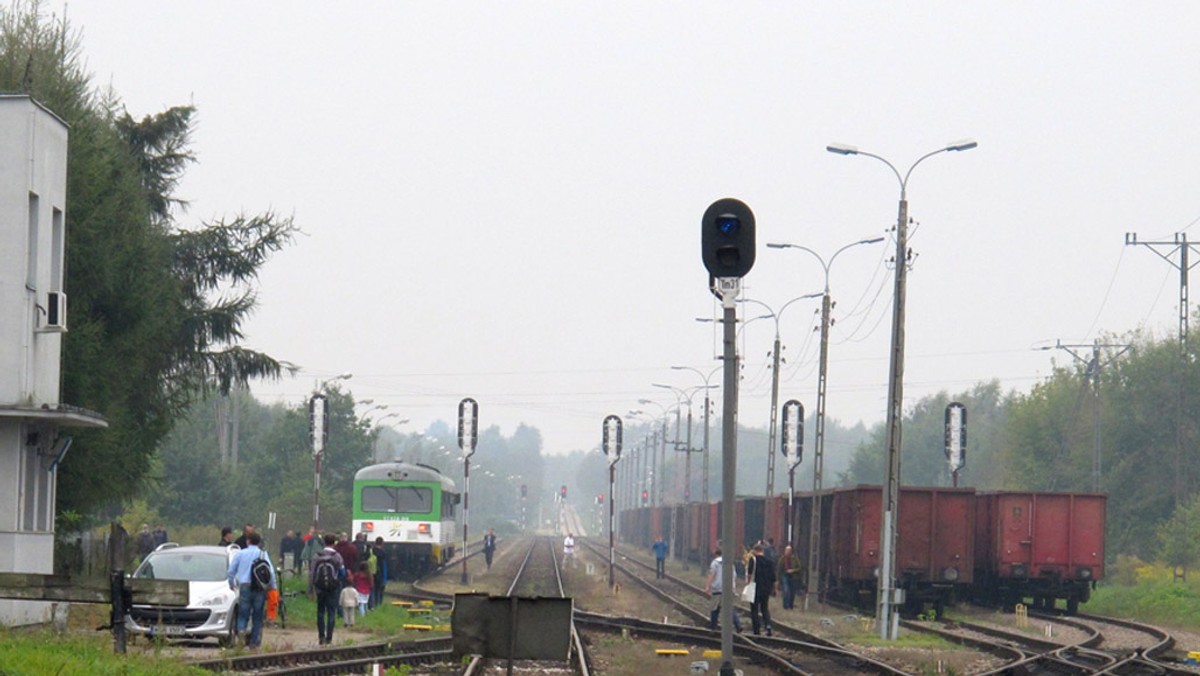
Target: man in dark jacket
349,554
327,599
290,545
761,572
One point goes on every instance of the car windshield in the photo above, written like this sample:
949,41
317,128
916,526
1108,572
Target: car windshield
177,564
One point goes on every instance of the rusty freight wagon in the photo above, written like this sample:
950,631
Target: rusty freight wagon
1039,547
934,556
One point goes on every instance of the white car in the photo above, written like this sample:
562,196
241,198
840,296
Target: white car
212,605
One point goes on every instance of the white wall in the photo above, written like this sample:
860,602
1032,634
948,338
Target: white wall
33,162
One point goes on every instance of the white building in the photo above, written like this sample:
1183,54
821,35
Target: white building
33,319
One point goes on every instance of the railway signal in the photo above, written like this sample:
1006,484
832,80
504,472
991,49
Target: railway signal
611,443
468,432
793,449
956,438
727,238
727,250
318,432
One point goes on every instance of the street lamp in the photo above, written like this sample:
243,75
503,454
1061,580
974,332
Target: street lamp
888,618
661,469
814,542
681,395
705,378
774,388
341,376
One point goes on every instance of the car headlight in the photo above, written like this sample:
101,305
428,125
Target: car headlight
218,600
950,574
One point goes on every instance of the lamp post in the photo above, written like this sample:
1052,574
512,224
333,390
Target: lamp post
704,485
656,497
682,395
772,314
814,542
887,617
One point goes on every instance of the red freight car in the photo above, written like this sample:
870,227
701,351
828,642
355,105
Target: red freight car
1039,546
935,554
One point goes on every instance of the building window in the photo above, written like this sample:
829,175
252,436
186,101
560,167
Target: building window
57,249
32,245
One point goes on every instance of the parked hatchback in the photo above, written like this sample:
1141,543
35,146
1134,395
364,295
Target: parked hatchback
212,605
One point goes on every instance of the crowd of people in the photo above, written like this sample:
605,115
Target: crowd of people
346,577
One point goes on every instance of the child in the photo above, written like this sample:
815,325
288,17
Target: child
348,600
362,585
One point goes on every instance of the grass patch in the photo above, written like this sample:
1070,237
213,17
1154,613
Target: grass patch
386,621
1154,601
33,653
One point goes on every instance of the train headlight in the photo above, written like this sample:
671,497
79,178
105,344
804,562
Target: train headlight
950,574
368,526
1083,573
423,528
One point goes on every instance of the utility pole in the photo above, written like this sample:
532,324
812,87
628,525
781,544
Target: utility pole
1181,247
1092,367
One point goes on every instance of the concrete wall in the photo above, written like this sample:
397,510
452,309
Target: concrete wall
33,184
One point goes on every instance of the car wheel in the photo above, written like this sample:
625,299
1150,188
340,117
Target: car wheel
229,638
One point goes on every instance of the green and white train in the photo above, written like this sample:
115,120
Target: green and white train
414,508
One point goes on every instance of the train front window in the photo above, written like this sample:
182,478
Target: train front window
397,499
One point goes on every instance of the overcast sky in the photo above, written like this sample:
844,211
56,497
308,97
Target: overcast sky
503,200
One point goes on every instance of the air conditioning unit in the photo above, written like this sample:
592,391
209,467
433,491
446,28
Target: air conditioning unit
56,311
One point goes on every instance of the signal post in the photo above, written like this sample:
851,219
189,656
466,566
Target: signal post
727,249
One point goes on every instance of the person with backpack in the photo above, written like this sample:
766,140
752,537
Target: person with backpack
328,571
251,573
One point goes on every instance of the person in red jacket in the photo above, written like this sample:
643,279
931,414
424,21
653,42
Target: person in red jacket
362,585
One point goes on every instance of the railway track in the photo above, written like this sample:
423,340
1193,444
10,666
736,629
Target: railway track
791,650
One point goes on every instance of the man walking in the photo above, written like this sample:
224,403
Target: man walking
489,546
761,572
252,593
713,587
660,558
569,550
328,571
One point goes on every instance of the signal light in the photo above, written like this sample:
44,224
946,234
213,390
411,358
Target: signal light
727,238
645,497
562,492
524,490
599,498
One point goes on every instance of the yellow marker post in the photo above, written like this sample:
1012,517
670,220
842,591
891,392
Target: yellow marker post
670,652
418,627
1022,613
712,654
402,604
419,611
